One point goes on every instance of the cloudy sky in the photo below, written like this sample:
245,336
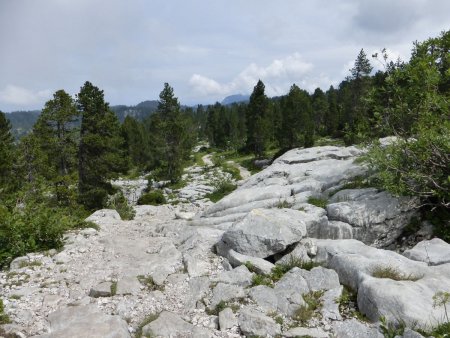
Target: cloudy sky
205,49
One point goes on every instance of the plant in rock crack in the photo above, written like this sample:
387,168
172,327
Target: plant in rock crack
348,305
393,273
149,283
391,330
147,320
222,188
318,202
305,312
4,318
441,298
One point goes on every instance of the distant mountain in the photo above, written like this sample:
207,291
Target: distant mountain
139,112
22,121
235,99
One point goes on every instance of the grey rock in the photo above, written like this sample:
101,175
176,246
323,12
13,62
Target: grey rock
225,292
18,262
354,329
265,297
330,305
85,321
320,278
104,216
433,252
101,290
198,287
195,267
306,332
410,298
379,216
254,323
169,325
227,319
289,291
62,258
265,232
336,230
128,286
260,265
184,215
298,253
238,276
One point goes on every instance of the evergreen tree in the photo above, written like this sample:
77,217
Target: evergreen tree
173,136
257,121
320,110
56,135
100,155
331,120
6,152
136,143
297,126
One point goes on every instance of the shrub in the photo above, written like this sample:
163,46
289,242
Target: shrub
4,318
35,227
120,203
154,197
305,312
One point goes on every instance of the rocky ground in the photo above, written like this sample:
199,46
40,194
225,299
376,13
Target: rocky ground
299,249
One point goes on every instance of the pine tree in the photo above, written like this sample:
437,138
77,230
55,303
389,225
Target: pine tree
6,152
257,121
172,135
136,143
297,126
100,154
56,135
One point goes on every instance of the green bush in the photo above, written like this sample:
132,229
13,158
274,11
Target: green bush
35,227
120,204
155,197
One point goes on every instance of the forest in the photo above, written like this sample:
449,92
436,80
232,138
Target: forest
55,176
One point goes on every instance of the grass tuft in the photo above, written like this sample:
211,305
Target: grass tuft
393,273
318,202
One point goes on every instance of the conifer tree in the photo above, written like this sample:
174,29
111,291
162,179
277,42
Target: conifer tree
172,136
257,120
56,135
6,152
100,154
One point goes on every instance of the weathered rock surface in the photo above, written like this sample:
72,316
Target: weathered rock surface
375,217
409,298
432,252
227,319
85,321
171,325
354,329
265,232
254,323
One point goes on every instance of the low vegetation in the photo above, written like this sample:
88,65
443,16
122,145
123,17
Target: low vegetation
147,320
155,197
120,204
222,189
4,318
280,269
149,283
318,202
348,305
393,273
306,312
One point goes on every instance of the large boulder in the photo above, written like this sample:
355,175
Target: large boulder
169,325
254,323
85,321
432,252
263,233
376,218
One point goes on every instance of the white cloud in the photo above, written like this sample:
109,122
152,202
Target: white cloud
278,76
20,96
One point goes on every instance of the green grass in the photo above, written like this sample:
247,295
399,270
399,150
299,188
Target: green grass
262,280
222,189
318,202
306,312
440,331
393,273
348,304
113,288
24,264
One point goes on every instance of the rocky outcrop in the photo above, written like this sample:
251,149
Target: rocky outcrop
374,217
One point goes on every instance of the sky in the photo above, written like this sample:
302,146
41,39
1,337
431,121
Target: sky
206,50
